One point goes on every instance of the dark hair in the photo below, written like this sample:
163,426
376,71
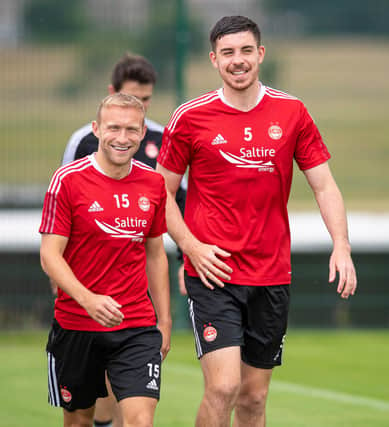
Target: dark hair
231,25
133,67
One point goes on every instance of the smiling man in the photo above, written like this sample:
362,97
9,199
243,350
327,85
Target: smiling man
102,225
239,143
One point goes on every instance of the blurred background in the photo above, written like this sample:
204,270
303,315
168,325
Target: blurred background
56,59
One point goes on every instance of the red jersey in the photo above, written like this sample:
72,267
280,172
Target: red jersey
107,222
240,174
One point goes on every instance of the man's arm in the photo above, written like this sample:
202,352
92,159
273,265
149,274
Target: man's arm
330,201
158,278
204,257
101,308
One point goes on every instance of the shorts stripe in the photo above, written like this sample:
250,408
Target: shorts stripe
54,399
196,335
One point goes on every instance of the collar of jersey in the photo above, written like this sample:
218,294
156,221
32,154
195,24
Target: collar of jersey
99,169
261,94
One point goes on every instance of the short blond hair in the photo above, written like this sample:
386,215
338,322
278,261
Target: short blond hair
120,100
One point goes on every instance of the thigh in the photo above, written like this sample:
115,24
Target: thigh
75,369
80,417
267,318
134,365
221,368
138,410
215,314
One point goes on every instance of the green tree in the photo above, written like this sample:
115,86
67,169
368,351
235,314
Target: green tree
337,16
54,21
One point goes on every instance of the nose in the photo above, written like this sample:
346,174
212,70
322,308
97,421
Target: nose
237,59
122,136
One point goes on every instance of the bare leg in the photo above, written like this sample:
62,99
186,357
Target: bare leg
138,411
107,409
251,403
78,418
221,370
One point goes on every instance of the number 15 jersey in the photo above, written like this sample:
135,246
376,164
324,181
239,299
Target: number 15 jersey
240,174
106,222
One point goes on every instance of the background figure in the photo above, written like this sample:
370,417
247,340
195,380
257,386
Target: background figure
99,212
239,143
133,75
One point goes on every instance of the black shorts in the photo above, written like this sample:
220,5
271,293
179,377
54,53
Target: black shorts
77,361
252,317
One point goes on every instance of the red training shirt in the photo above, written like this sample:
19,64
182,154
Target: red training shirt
240,174
107,222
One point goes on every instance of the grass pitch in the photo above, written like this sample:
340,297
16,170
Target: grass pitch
329,378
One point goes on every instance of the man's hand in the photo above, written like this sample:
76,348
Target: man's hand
104,309
205,259
166,330
181,280
342,263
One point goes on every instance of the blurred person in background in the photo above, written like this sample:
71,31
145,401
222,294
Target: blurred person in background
133,75
239,143
102,225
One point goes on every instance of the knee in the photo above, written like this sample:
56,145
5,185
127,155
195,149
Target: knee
138,420
252,400
224,393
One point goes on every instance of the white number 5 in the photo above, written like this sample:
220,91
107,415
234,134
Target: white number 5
248,134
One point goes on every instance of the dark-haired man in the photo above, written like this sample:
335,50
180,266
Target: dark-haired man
239,143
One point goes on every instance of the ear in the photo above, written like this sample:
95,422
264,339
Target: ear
111,89
261,53
95,129
212,57
144,132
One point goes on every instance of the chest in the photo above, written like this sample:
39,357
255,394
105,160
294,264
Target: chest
119,211
245,144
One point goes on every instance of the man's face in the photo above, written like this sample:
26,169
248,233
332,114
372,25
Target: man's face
237,58
142,91
120,132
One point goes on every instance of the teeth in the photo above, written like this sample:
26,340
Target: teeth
121,148
237,73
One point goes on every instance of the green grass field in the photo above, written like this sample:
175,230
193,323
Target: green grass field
329,378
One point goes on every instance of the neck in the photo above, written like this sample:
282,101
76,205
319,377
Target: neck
245,99
113,171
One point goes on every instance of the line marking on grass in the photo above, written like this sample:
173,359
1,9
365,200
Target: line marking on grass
329,395
303,390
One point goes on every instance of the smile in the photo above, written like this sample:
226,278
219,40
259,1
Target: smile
115,147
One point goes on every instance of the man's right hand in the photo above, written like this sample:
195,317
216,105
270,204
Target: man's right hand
104,309
205,259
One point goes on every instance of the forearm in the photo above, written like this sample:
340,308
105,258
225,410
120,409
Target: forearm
333,212
58,270
177,228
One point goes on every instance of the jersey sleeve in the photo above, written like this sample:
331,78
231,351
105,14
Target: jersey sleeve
310,149
56,214
158,225
176,147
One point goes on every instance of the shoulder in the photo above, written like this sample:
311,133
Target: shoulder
278,94
197,104
143,168
146,171
68,171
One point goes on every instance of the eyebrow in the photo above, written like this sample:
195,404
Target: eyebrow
229,49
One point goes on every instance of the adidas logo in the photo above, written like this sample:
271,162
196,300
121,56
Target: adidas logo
219,140
152,385
95,207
